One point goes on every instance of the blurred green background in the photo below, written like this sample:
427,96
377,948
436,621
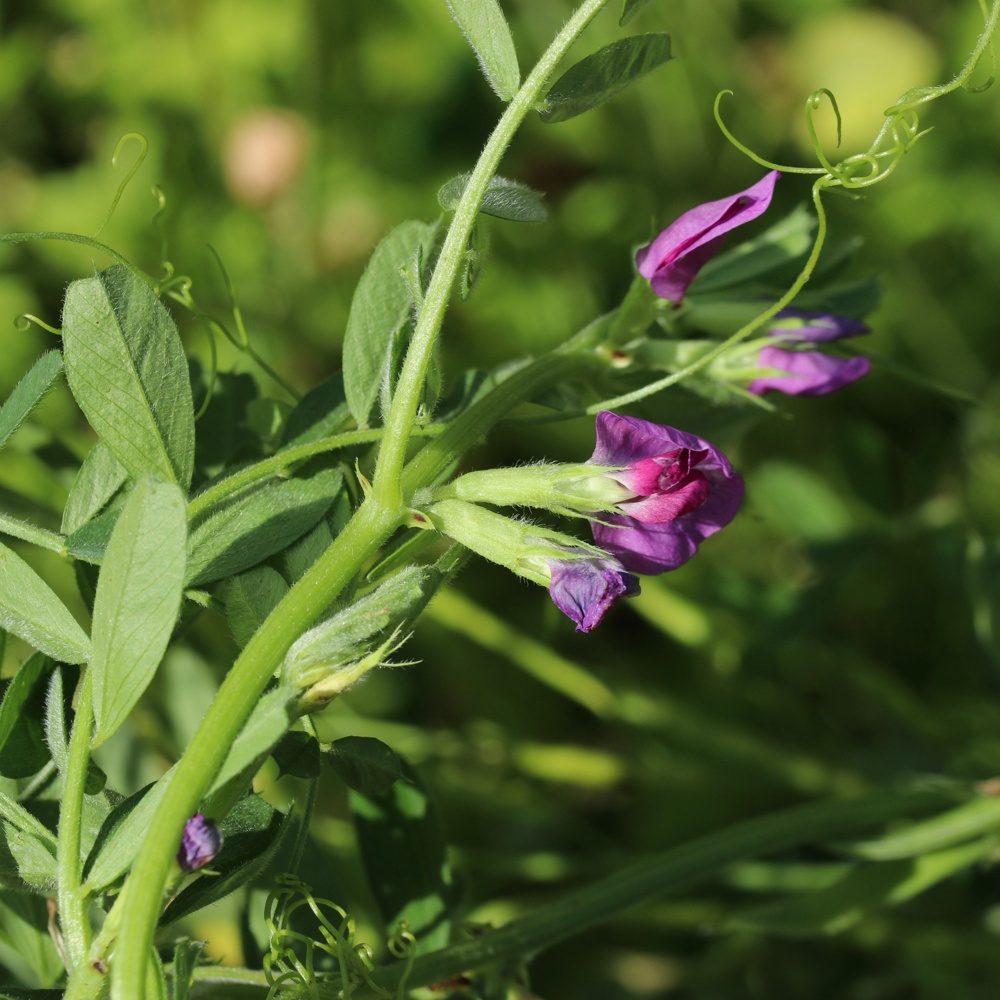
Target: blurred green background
839,636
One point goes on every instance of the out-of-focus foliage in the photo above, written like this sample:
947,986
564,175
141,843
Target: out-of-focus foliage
841,635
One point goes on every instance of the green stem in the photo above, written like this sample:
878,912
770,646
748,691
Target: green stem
73,918
279,462
673,870
437,457
30,533
143,897
386,485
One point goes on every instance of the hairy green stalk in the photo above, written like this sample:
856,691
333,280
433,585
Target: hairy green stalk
386,486
73,918
143,896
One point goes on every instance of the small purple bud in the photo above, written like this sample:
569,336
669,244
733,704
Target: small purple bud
201,842
672,261
584,589
802,326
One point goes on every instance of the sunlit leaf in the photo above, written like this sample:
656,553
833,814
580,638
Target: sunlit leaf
486,30
268,722
128,372
256,522
250,597
30,609
138,598
600,76
99,478
504,199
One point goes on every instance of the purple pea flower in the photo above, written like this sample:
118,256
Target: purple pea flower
672,261
201,842
584,589
684,490
806,373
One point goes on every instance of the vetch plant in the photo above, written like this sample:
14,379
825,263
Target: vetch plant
320,542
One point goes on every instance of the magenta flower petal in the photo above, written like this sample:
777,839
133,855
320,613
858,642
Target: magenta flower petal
584,589
201,842
672,261
815,327
697,493
808,373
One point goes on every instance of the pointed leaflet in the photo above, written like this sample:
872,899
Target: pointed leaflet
28,392
602,75
504,199
28,608
484,26
138,597
128,372
629,9
99,478
381,304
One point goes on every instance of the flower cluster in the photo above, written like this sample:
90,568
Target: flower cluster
652,493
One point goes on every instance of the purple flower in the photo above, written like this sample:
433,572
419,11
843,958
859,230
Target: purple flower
672,261
584,589
814,327
806,373
201,842
684,490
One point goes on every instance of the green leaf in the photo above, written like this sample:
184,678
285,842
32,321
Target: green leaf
600,76
120,836
486,30
297,754
247,527
128,372
28,392
365,764
403,848
30,609
250,597
22,734
504,199
253,832
24,934
90,541
99,479
382,303
320,413
35,857
268,722
629,10
137,601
